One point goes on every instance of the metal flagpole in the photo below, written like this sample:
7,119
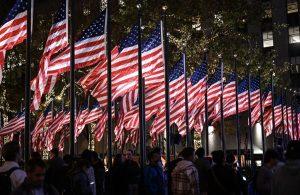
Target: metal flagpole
206,109
287,114
273,106
297,124
27,80
140,81
249,118
72,78
167,106
261,115
221,104
237,116
282,118
292,113
109,95
188,133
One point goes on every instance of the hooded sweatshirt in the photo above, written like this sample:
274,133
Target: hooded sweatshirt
287,179
185,179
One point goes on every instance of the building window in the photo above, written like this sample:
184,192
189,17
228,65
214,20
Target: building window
268,39
292,7
295,60
294,36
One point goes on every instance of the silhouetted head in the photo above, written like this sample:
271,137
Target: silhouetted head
200,152
188,153
218,157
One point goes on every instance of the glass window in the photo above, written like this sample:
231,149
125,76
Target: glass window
294,36
292,7
268,39
295,60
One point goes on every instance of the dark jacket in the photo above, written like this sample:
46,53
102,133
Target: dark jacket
81,184
154,180
203,167
222,180
287,179
54,173
263,181
27,189
99,172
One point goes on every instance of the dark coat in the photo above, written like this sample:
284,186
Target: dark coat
54,173
287,179
27,189
99,172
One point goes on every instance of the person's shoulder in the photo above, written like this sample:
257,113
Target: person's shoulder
18,173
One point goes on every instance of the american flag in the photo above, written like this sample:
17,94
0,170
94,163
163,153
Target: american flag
152,58
213,95
13,31
89,49
93,77
127,57
177,86
268,121
54,127
14,125
196,91
228,95
126,66
266,101
287,114
57,40
99,129
80,119
37,133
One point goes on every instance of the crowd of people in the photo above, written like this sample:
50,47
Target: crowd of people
191,173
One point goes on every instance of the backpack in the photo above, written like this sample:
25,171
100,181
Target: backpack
5,182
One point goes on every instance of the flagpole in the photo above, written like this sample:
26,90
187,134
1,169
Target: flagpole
223,139
188,133
109,90
206,109
261,115
167,106
249,118
27,81
292,113
282,118
72,78
297,124
287,114
237,116
273,106
140,82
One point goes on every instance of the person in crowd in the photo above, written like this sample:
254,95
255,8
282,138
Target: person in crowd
78,182
265,174
232,163
99,171
131,173
35,181
87,155
54,173
174,162
153,175
185,179
11,175
158,150
118,182
203,166
286,179
222,179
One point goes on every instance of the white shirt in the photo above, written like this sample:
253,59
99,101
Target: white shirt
17,177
